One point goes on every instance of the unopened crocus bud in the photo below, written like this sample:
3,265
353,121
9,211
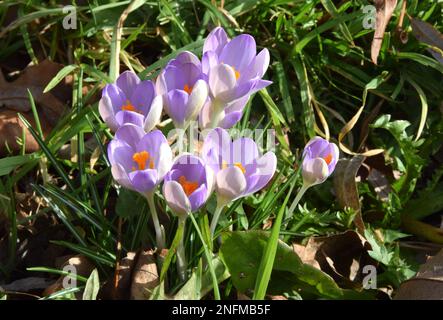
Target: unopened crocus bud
319,160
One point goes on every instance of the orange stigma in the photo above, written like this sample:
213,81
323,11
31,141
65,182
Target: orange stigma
188,186
240,166
128,107
237,164
328,158
187,89
140,158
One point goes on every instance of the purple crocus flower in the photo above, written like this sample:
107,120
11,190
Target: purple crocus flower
319,160
183,87
235,72
188,185
130,100
139,160
239,167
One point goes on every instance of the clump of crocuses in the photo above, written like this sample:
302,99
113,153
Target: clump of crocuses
213,91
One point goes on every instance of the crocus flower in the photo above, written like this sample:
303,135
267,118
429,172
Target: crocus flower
139,160
130,100
235,72
188,185
183,87
319,159
239,167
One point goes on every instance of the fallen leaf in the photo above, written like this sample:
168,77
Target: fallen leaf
81,265
14,98
342,256
426,33
427,284
126,267
384,10
346,187
11,129
145,276
27,284
14,95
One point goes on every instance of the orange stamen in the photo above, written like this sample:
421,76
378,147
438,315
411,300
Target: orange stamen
188,186
328,158
240,166
140,158
128,107
187,89
237,74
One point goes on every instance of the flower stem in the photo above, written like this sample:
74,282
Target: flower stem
217,109
158,229
214,222
181,255
300,194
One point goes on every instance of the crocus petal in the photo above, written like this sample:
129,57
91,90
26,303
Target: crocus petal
176,198
142,96
238,91
107,113
191,167
314,171
125,117
314,147
154,114
216,148
116,95
209,60
244,151
266,166
210,180
120,152
144,181
239,52
164,160
261,63
215,41
185,57
157,146
260,84
175,106
127,82
204,119
119,174
130,134
196,100
160,84
335,156
257,68
198,197
230,183
230,119
221,79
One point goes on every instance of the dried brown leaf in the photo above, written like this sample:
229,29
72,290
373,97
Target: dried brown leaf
342,256
426,33
145,276
427,284
384,10
346,187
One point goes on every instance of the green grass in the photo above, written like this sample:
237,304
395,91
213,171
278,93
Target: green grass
322,76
